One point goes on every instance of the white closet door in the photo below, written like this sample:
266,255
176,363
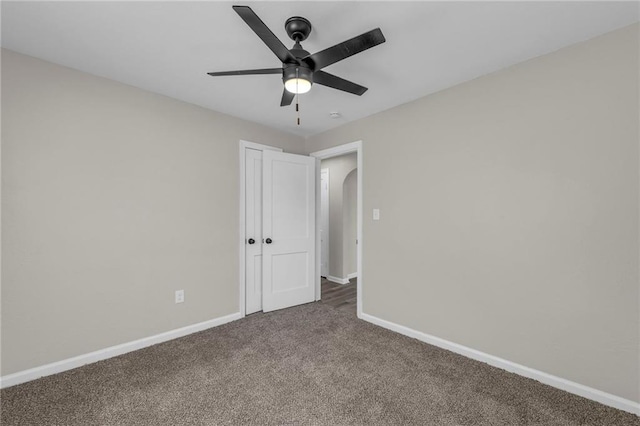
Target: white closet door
288,224
253,230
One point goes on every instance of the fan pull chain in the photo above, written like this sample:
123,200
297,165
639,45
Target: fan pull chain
297,97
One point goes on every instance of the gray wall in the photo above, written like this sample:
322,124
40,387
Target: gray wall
350,220
509,213
113,198
339,168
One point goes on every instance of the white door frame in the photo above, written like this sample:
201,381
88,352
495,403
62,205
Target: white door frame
323,220
242,237
322,155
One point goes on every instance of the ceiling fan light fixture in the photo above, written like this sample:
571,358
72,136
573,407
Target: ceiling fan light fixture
300,69
297,78
297,85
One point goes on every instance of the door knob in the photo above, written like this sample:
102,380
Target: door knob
268,241
251,241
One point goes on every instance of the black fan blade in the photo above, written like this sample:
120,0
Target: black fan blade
287,98
345,49
330,80
248,72
265,34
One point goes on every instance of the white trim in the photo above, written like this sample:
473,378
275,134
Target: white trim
548,379
258,146
337,150
110,352
352,275
359,230
318,292
242,303
333,152
319,207
337,280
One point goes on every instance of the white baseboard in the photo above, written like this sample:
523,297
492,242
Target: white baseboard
548,379
338,280
80,360
352,275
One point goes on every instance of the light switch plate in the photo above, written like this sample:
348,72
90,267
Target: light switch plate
376,214
179,296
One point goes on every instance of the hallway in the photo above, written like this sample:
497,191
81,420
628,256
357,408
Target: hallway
340,296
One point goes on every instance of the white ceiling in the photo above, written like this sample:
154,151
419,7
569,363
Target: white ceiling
168,47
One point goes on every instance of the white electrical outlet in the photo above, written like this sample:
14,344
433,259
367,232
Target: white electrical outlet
179,296
376,214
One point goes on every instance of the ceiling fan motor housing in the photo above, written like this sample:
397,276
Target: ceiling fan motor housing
297,71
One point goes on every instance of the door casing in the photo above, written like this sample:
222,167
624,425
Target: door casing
324,223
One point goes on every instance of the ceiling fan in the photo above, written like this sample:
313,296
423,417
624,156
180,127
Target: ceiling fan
299,68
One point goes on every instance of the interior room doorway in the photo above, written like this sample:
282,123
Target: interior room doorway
339,235
338,218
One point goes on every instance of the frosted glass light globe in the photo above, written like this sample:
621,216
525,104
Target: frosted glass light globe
297,85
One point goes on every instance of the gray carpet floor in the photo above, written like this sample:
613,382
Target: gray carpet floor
308,365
